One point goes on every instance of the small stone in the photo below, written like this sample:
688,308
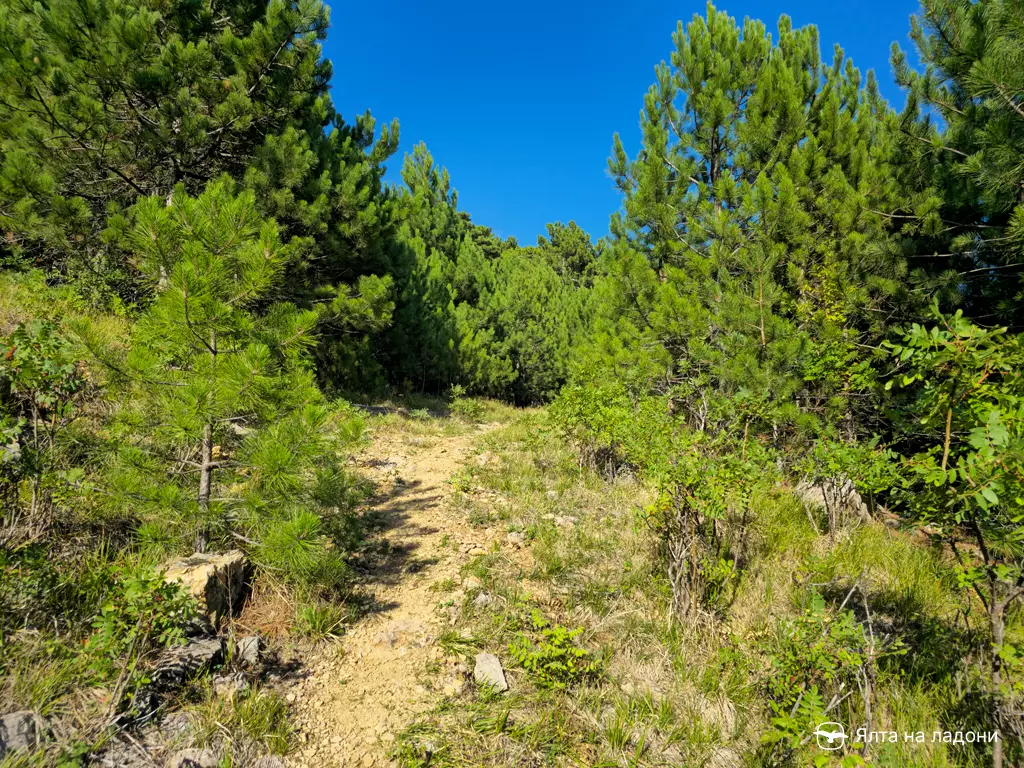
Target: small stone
482,600
193,758
386,638
290,698
22,730
488,671
516,539
176,665
552,494
471,583
269,762
565,521
248,650
229,686
477,551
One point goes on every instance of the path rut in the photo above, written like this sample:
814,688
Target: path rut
361,692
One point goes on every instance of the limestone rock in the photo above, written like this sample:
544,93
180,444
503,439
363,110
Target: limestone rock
482,600
218,581
840,497
229,686
247,650
471,582
488,671
177,665
269,762
193,758
516,539
22,730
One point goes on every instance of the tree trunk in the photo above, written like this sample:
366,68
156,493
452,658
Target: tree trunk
206,458
997,621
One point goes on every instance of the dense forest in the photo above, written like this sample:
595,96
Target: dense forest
202,269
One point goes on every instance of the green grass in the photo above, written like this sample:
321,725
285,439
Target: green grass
669,694
249,725
320,621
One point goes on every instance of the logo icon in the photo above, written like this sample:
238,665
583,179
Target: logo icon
830,736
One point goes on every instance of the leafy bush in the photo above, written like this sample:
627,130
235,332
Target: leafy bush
552,654
817,661
468,408
142,609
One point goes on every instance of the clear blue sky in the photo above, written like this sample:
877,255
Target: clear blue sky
520,100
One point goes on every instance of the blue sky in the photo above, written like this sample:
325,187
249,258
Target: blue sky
520,100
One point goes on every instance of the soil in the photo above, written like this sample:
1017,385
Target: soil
363,690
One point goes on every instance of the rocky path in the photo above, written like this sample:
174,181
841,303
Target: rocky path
362,691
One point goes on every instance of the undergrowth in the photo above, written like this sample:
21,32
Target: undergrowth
602,673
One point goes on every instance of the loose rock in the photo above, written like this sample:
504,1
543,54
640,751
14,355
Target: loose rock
22,730
175,666
193,758
488,671
248,650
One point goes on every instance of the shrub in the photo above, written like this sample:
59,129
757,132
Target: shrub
555,660
142,609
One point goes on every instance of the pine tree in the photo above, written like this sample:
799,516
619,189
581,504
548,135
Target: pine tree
569,250
753,254
105,102
223,427
962,139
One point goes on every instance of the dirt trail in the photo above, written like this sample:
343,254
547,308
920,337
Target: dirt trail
388,668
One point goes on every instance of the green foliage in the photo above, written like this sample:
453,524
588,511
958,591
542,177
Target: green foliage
41,386
836,466
108,104
961,137
818,650
817,661
751,256
552,655
468,408
142,609
964,469
475,312
223,432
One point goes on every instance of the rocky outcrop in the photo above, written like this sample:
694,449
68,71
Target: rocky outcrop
179,664
22,730
173,668
839,498
218,581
